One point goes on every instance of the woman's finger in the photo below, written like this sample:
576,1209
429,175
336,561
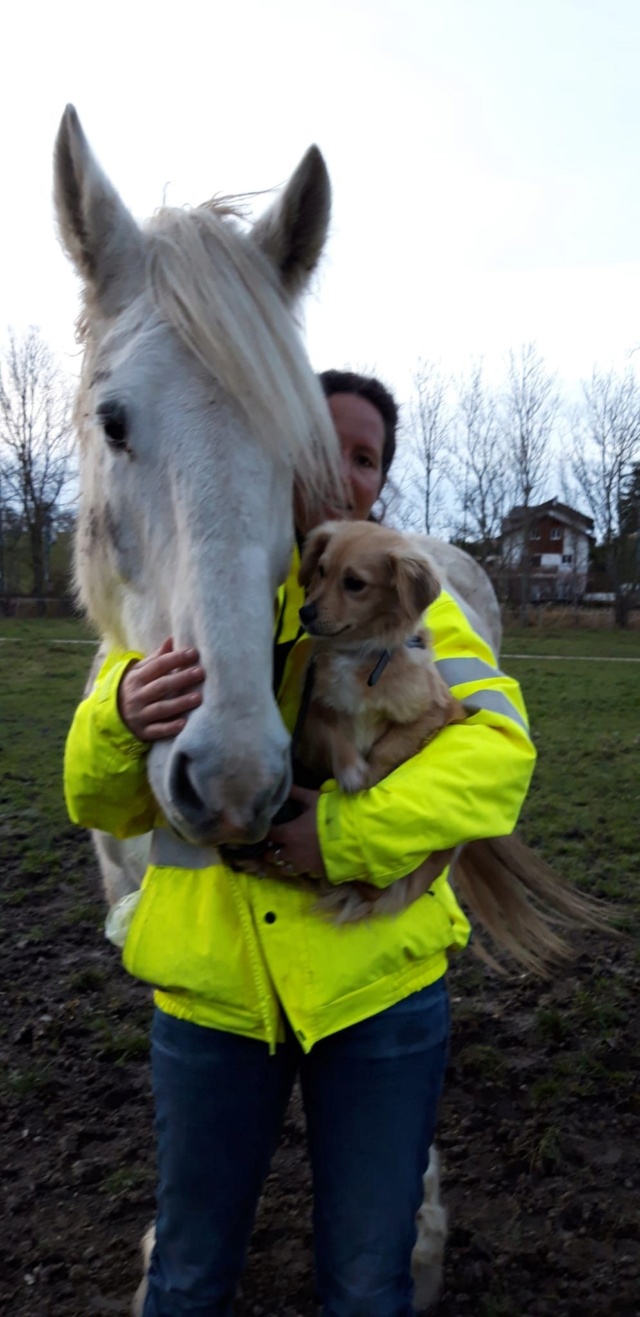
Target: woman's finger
173,685
158,665
162,711
164,731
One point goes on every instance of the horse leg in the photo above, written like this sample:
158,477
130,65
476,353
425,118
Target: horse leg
428,1254
122,863
148,1241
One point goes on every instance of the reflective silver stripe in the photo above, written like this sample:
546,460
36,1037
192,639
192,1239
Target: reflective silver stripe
496,702
172,852
457,671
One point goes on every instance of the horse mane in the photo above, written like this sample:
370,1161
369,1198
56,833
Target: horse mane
208,279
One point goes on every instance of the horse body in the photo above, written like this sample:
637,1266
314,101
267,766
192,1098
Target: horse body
470,586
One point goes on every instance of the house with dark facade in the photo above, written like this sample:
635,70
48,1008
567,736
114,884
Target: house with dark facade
557,540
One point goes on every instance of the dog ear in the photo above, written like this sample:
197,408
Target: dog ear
416,582
314,547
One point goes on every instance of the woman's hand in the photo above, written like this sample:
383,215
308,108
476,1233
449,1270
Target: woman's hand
156,694
293,849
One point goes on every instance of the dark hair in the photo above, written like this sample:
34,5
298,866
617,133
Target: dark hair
368,387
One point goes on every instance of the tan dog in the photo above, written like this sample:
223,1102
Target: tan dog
377,696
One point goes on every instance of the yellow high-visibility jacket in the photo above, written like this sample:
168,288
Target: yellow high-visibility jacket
232,951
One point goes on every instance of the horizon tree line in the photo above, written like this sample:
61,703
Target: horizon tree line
470,451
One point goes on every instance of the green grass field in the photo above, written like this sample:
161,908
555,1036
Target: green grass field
572,643
584,805
40,685
31,629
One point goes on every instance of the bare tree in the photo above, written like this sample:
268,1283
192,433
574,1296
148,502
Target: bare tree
574,580
35,442
429,430
401,499
481,487
606,448
530,408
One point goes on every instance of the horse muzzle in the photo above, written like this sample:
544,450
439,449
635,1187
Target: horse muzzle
208,806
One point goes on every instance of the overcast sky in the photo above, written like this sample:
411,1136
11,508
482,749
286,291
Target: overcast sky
484,156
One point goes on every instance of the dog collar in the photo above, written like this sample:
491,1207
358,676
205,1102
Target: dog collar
414,642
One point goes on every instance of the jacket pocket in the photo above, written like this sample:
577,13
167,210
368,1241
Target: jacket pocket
186,936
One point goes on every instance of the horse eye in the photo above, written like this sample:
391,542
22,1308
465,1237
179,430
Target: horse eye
320,571
353,584
113,419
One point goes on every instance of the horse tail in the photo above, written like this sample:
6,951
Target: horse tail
523,904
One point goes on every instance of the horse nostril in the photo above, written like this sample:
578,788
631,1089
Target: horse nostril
183,792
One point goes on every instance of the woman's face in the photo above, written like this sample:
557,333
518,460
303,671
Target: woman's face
360,429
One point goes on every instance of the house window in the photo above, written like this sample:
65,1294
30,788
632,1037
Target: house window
567,557
556,533
536,559
535,533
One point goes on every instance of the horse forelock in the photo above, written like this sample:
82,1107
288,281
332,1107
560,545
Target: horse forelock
209,280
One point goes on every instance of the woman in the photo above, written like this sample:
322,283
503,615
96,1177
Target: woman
259,988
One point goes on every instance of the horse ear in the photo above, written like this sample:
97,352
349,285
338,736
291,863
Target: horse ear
98,233
292,233
314,547
416,582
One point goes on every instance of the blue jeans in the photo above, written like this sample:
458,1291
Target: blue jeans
370,1095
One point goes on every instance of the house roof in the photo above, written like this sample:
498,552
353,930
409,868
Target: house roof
552,508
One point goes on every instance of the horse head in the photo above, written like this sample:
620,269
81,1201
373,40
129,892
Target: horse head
196,410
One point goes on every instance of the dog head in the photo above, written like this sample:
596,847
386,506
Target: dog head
365,583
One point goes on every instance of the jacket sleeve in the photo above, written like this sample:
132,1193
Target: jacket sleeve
469,782
105,765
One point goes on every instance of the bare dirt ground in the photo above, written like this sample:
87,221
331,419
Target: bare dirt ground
538,1132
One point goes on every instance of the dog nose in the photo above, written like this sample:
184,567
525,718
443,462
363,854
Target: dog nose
308,613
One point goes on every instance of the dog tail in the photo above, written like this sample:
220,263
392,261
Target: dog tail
523,904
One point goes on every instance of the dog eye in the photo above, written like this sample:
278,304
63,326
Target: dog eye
353,584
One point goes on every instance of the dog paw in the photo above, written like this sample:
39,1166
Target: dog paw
354,777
